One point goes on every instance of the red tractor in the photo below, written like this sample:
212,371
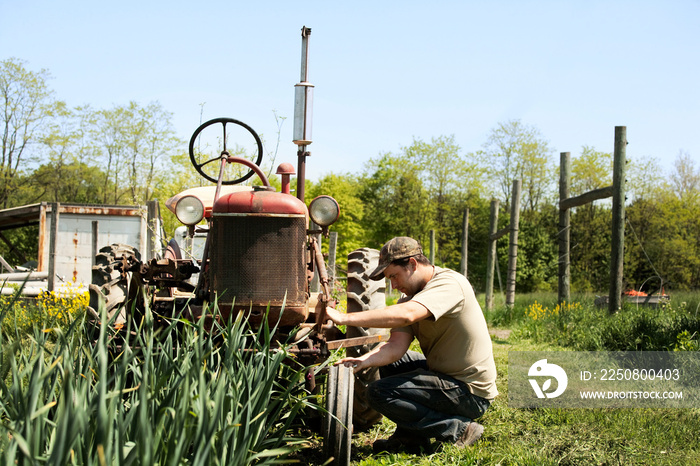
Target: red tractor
259,257
258,254
254,250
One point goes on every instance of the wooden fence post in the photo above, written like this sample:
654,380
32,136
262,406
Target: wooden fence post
433,246
617,192
513,245
332,246
618,220
491,256
465,248
564,288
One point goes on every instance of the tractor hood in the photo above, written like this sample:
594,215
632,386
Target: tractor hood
260,201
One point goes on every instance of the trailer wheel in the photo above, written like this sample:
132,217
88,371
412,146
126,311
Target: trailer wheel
337,427
109,285
364,294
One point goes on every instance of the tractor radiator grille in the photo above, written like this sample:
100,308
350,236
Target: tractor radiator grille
258,259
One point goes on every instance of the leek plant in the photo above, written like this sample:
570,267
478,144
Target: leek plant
174,392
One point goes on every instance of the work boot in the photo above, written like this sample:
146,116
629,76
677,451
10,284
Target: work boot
401,441
470,435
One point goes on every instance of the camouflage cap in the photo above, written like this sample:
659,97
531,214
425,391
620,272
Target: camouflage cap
400,247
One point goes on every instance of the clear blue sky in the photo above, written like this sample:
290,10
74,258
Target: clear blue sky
385,71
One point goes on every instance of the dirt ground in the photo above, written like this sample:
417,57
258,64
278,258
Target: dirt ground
500,333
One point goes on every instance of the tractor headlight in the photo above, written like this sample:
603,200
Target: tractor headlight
324,211
189,210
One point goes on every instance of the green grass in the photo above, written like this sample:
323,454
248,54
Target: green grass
569,436
556,436
173,397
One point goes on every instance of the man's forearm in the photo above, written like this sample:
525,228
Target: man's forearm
377,318
384,354
398,315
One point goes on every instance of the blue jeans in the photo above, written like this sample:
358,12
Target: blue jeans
422,402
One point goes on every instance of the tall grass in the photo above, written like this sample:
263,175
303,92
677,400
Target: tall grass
177,392
581,325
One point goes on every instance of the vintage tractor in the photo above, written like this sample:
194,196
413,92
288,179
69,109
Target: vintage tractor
259,253
259,257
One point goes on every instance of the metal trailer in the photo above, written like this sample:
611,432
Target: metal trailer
68,239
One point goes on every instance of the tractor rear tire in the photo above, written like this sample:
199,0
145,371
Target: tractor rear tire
109,285
364,294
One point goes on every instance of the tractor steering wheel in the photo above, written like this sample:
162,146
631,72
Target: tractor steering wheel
202,158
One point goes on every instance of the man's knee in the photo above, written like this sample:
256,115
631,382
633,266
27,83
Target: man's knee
376,395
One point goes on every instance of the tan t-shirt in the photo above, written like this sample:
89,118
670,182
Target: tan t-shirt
456,342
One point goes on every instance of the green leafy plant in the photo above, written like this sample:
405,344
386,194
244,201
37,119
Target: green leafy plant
174,392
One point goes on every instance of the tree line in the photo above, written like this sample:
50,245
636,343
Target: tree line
129,154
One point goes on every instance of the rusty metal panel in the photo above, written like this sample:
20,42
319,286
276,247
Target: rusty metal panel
74,250
113,211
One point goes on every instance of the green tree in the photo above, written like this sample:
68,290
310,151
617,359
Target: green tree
133,143
106,128
518,151
396,200
433,183
685,178
429,185
449,251
74,182
645,178
67,171
663,234
446,173
151,139
590,223
345,190
537,264
591,240
663,243
590,170
27,103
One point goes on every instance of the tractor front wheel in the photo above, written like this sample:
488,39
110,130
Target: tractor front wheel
337,427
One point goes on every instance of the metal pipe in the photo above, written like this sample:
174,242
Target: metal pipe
220,179
301,173
252,166
305,33
323,278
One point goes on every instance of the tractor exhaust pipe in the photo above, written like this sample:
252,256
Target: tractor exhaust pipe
303,104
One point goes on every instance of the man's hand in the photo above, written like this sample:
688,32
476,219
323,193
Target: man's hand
337,317
357,364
